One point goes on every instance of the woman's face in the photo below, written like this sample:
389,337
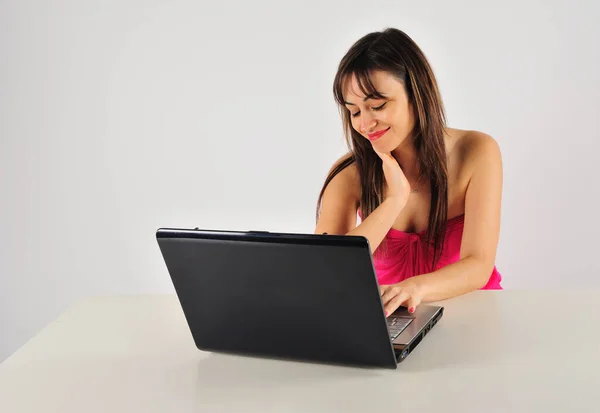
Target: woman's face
386,123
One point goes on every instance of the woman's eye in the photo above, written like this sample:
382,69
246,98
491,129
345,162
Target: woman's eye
376,108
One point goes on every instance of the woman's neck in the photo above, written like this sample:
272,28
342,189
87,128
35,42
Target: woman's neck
406,155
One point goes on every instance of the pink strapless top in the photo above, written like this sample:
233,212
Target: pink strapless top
406,255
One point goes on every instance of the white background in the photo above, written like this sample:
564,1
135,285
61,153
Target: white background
119,117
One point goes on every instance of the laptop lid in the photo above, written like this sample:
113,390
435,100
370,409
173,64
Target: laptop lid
293,296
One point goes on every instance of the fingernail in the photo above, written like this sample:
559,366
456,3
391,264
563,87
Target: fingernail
386,313
411,310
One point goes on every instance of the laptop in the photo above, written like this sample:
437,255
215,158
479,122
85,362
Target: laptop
302,297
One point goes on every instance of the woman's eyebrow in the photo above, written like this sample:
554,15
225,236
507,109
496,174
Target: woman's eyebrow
373,97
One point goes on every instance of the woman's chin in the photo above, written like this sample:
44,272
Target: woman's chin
383,144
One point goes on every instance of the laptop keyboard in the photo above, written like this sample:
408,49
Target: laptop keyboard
396,325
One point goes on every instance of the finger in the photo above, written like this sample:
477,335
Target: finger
383,155
386,158
385,291
389,294
395,302
413,302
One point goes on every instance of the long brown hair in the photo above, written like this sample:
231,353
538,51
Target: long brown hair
394,52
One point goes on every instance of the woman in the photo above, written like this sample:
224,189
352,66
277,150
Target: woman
428,196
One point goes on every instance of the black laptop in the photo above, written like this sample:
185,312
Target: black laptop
304,297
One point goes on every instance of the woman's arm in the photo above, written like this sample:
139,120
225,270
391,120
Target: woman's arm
339,209
481,229
479,240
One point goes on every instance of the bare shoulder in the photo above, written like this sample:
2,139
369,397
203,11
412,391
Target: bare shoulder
340,199
347,179
480,143
470,149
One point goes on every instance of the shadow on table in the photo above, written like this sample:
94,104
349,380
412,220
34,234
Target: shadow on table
222,369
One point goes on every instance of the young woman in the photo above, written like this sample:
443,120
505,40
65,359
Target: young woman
428,196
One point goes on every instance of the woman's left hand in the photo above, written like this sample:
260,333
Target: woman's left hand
406,293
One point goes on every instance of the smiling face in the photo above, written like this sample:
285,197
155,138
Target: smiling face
386,120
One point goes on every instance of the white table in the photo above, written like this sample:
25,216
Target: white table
509,351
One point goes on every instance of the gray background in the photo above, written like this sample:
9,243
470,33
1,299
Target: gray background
119,117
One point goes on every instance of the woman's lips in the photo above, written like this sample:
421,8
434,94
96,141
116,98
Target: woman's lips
378,134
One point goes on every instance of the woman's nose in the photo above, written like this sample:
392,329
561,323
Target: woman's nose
367,123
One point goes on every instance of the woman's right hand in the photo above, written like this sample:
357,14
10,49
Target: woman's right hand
396,183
